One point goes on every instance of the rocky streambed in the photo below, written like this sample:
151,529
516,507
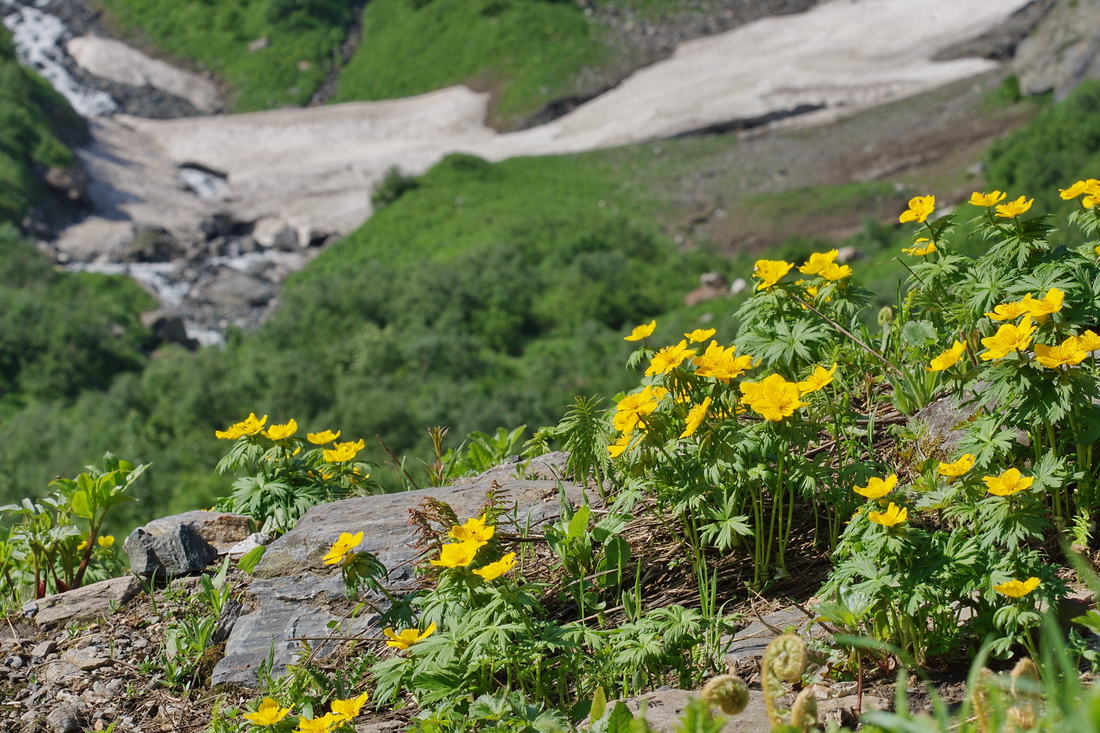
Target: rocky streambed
212,211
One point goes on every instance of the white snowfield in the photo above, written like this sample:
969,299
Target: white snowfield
314,168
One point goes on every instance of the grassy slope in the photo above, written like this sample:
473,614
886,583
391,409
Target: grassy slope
303,36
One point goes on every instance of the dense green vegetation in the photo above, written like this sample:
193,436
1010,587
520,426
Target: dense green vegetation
303,39
33,121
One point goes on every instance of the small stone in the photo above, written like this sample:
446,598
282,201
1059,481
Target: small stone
14,661
45,649
58,671
65,719
86,659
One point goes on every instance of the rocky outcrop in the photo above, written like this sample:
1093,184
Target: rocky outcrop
296,598
83,604
1063,51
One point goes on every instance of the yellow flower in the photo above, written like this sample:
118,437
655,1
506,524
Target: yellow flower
877,488
919,209
323,437
494,570
695,417
774,398
82,545
249,426
1040,309
1089,341
1007,311
474,530
458,554
107,540
819,261
1008,483
616,449
821,378
1016,588
407,638
893,515
1073,191
987,199
641,332
342,547
947,358
920,250
341,452
318,725
279,432
348,709
269,713
1009,337
958,468
700,335
770,272
721,364
1014,208
1069,352
668,358
633,408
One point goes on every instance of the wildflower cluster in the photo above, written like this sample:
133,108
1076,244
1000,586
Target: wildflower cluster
280,475
269,713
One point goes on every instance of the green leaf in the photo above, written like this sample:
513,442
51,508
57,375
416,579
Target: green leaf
599,704
916,334
81,505
251,559
578,525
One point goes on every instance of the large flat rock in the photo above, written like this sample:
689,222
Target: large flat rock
295,596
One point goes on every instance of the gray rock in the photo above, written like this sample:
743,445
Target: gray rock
662,710
751,641
179,551
45,649
65,719
86,659
248,544
220,529
295,596
83,604
57,671
1062,51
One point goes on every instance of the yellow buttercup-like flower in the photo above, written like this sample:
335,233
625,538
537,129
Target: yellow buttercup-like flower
1007,311
1008,483
700,335
1017,588
1089,341
616,449
633,408
1073,191
641,332
818,261
1090,187
947,358
249,426
83,544
920,250
458,554
893,516
107,540
341,452
668,358
721,363
695,418
269,713
322,438
324,724
770,272
876,487
473,530
1067,353
407,638
494,570
1009,337
958,468
279,432
1040,309
342,547
835,272
987,199
919,209
774,398
820,379
1014,208
348,709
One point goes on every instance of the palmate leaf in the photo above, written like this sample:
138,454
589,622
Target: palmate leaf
987,440
786,343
